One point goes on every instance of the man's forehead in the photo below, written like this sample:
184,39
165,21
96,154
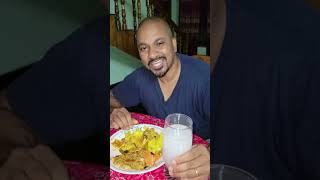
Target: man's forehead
157,26
153,23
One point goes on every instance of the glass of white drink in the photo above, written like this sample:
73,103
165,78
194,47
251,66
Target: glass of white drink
177,137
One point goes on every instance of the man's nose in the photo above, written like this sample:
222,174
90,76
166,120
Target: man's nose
152,53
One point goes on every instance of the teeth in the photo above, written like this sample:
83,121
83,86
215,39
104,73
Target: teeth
157,63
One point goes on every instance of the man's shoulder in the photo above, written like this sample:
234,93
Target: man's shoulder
141,74
193,62
140,71
194,67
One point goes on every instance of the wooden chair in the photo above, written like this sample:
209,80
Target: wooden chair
203,58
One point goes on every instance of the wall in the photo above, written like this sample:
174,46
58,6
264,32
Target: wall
29,28
128,6
121,64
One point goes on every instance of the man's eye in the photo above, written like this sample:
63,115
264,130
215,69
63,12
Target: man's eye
142,48
160,43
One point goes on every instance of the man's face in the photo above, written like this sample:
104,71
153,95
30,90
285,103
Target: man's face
157,49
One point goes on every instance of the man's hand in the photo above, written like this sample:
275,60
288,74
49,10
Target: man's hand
194,164
114,103
38,163
121,118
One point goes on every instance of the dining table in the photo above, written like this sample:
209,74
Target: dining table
86,171
156,174
90,171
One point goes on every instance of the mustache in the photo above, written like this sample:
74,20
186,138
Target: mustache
154,59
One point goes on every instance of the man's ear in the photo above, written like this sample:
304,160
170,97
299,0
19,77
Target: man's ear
174,42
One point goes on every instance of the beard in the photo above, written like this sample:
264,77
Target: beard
161,72
163,68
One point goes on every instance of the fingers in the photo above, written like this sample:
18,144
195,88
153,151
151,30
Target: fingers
196,178
113,123
196,162
129,121
19,175
22,165
50,160
39,163
193,153
12,174
121,118
192,164
201,171
34,169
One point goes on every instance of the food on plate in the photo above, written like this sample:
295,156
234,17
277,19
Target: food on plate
139,149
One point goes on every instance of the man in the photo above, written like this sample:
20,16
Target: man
59,100
168,83
266,91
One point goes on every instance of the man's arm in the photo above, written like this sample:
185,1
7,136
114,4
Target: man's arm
119,115
114,103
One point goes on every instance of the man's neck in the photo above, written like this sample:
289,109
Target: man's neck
169,81
173,74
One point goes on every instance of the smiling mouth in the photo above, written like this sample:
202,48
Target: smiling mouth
156,64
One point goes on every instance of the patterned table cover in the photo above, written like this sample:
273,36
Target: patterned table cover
157,174
86,171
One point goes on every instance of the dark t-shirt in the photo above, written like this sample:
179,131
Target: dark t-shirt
266,95
190,96
63,96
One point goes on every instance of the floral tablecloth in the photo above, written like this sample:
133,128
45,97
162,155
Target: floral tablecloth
157,174
86,171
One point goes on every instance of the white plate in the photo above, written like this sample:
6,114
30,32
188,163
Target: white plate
114,152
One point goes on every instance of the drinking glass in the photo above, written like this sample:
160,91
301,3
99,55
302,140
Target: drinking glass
177,138
226,172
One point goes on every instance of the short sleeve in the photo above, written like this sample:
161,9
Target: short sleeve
63,96
127,91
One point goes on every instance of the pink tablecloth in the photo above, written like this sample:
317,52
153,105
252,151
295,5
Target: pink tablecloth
157,174
86,171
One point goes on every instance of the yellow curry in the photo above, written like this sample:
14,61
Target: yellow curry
139,149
